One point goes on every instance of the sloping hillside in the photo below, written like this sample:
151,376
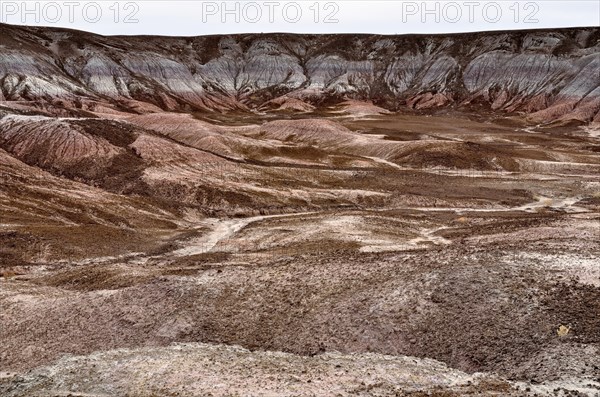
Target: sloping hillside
551,75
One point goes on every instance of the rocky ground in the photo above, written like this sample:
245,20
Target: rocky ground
293,247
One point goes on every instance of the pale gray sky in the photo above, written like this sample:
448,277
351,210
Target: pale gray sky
191,17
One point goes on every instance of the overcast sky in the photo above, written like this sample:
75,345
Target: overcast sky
191,17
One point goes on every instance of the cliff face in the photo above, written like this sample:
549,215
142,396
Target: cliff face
550,75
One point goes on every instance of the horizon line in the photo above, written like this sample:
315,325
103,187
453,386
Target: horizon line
2,24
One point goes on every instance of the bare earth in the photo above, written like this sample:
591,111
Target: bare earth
296,248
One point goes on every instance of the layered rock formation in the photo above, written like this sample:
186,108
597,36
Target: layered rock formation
549,75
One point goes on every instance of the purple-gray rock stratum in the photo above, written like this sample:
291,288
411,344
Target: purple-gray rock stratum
548,75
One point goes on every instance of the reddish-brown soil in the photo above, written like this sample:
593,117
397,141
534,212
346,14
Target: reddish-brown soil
332,249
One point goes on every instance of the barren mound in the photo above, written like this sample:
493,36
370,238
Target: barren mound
198,369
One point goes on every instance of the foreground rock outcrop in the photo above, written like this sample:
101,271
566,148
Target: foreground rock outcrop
217,370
